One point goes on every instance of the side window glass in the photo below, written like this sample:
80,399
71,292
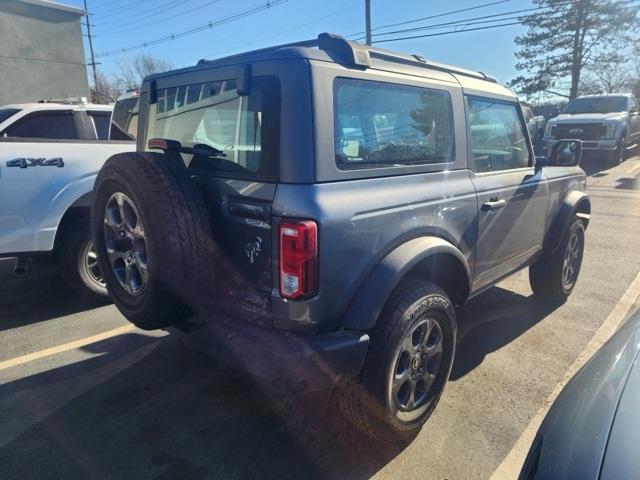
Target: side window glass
51,125
498,140
633,105
101,123
385,125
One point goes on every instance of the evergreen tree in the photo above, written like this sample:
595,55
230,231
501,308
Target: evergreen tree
569,37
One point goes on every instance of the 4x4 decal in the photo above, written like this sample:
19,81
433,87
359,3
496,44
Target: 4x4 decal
36,162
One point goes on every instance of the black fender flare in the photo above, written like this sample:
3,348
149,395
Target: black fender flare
576,203
365,308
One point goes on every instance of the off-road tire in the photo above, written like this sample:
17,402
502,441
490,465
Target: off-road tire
75,241
546,275
179,246
367,402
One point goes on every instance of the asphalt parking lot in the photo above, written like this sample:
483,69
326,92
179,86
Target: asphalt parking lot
84,395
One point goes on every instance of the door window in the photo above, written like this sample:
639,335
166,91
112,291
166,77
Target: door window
498,139
50,125
101,123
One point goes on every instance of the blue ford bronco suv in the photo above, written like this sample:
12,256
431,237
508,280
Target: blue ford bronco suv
333,202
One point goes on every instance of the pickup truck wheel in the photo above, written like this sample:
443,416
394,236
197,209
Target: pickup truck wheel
79,262
554,278
618,155
407,366
152,237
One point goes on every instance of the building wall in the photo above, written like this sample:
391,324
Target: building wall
41,53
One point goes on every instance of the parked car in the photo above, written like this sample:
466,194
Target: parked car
340,197
50,153
591,430
535,125
608,125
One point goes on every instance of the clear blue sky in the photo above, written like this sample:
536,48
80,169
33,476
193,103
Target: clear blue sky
124,23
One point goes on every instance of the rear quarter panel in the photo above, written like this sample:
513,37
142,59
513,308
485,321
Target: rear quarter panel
360,222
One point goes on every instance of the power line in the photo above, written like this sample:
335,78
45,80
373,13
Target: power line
283,32
162,8
451,12
206,26
487,27
497,17
147,24
119,11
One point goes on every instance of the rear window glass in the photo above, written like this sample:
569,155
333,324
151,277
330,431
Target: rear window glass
5,113
124,119
101,123
381,125
234,135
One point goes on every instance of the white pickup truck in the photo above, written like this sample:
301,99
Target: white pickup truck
50,154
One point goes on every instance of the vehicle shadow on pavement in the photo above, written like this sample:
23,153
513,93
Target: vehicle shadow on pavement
39,296
483,328
144,407
595,165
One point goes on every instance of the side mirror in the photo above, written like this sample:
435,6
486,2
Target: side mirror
566,153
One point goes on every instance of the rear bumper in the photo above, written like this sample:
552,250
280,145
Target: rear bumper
279,359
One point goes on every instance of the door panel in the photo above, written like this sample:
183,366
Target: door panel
512,196
512,209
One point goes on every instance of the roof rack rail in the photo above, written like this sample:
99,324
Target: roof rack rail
358,55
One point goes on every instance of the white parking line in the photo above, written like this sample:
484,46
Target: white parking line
633,169
512,464
12,362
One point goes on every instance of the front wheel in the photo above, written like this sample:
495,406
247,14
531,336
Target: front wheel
618,155
554,278
407,366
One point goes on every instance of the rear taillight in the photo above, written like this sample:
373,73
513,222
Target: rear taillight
298,259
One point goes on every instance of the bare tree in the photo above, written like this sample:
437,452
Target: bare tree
614,76
105,90
132,71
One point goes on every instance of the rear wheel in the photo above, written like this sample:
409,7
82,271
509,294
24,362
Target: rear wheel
152,238
407,366
554,278
79,262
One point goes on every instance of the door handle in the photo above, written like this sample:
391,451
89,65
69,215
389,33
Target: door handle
493,205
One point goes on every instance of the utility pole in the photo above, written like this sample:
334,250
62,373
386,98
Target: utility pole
93,58
367,21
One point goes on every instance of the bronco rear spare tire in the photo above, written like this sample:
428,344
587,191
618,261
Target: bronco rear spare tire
152,237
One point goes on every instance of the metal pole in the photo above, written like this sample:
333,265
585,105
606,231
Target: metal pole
367,21
93,58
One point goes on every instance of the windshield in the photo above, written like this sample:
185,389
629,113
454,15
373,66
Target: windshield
597,105
5,113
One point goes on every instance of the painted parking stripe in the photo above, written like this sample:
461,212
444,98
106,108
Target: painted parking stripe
512,464
12,362
633,169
